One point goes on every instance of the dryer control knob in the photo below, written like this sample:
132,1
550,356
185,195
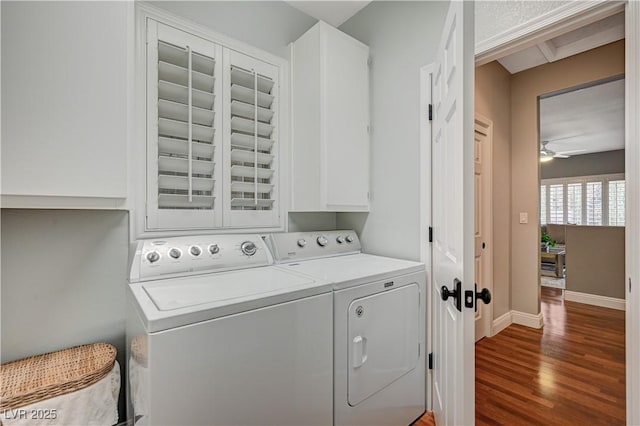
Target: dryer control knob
302,243
175,253
340,239
214,249
195,251
153,256
349,238
322,241
249,248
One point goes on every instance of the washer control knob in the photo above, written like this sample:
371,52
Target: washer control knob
322,241
302,242
175,253
214,249
195,251
340,239
350,238
153,256
249,248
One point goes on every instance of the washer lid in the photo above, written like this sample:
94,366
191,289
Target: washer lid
175,302
354,269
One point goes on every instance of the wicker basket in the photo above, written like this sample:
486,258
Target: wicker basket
33,379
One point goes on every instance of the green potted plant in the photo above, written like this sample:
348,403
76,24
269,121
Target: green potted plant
547,241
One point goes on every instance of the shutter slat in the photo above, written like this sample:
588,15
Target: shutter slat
239,124
179,129
177,201
178,56
181,165
250,172
246,141
250,202
263,188
166,182
247,95
180,112
245,78
176,93
178,75
243,109
180,147
242,156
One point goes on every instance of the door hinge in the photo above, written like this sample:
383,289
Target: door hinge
430,112
430,234
431,361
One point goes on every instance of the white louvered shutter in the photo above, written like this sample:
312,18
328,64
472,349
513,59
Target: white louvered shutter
251,141
184,130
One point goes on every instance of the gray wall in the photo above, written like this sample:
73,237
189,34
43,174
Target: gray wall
599,163
63,280
402,36
269,25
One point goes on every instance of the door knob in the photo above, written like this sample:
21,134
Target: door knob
471,296
445,293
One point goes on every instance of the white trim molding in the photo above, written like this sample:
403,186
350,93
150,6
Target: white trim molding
559,21
595,300
527,319
500,323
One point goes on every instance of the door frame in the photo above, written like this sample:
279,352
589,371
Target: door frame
569,17
487,124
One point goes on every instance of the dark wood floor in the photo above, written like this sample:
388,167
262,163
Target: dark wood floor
570,372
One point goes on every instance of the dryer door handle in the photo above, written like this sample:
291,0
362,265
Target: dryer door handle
359,351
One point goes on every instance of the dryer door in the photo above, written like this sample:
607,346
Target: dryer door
383,340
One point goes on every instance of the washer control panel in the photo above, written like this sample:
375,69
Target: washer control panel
287,247
183,256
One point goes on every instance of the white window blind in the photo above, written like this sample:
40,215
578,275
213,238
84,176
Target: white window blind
616,202
543,204
556,203
182,146
574,203
594,203
252,135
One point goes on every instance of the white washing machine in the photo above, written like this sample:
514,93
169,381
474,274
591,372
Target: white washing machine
379,325
218,336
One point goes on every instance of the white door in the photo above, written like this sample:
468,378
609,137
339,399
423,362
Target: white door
483,241
453,222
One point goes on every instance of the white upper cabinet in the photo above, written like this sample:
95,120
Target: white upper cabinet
65,103
330,113
213,133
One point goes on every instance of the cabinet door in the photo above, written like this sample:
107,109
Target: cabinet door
183,130
64,101
252,129
345,121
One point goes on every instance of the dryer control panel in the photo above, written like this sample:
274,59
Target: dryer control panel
183,256
292,246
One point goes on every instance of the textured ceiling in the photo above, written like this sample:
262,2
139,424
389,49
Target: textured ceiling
584,121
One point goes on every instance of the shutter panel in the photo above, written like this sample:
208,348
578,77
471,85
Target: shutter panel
183,115
251,141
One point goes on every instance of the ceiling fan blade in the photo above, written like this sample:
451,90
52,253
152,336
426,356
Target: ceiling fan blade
575,151
561,156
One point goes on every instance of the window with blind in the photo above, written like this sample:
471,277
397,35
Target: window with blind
212,134
590,200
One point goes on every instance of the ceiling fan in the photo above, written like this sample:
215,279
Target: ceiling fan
547,154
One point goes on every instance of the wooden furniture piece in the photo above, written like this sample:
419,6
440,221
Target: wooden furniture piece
553,256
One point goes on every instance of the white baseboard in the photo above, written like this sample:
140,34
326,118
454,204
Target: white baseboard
526,319
500,323
593,299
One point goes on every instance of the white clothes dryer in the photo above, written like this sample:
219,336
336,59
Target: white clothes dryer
379,325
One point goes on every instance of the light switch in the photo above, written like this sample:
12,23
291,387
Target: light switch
524,217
